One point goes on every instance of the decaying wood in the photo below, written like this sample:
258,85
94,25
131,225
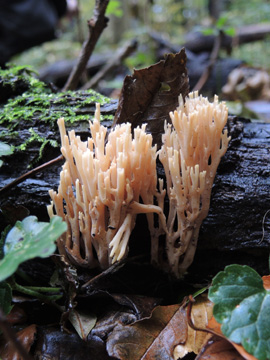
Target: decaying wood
240,196
96,26
197,42
33,193
30,174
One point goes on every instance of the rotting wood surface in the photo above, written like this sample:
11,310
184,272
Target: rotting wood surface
240,196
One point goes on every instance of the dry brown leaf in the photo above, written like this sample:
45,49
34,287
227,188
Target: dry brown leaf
266,282
201,312
153,338
17,315
151,93
83,322
218,348
26,337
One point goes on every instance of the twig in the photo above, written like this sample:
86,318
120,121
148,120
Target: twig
96,26
189,319
113,268
49,299
213,58
115,61
10,336
263,222
25,176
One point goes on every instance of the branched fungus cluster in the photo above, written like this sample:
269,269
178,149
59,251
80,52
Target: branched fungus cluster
192,148
105,184
99,192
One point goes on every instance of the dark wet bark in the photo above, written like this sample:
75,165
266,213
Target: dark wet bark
240,195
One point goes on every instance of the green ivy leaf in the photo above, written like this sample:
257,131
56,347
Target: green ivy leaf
5,297
29,239
242,306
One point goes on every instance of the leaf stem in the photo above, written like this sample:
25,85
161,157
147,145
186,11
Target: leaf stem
44,289
31,291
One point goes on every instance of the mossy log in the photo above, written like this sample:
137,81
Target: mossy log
237,221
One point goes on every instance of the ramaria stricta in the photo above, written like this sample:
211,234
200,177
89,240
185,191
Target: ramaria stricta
105,184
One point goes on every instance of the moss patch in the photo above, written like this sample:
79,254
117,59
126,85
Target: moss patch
39,107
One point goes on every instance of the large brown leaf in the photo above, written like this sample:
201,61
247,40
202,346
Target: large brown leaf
25,336
153,338
151,93
201,312
217,348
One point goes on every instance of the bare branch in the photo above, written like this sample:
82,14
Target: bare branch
116,60
96,26
213,58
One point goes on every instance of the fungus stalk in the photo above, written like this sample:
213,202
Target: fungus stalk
101,186
192,148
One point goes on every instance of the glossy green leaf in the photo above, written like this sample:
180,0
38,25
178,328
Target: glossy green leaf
5,149
242,306
29,239
5,297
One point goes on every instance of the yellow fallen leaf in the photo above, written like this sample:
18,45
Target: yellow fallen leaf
202,311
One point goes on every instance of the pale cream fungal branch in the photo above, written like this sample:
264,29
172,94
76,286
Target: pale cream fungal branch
103,186
192,148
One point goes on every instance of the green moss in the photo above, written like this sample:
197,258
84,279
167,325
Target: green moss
39,139
22,72
38,104
49,107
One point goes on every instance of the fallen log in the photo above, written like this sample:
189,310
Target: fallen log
58,72
240,196
237,223
198,42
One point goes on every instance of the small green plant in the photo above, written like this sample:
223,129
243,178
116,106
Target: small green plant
29,239
220,25
26,240
242,306
38,104
114,8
